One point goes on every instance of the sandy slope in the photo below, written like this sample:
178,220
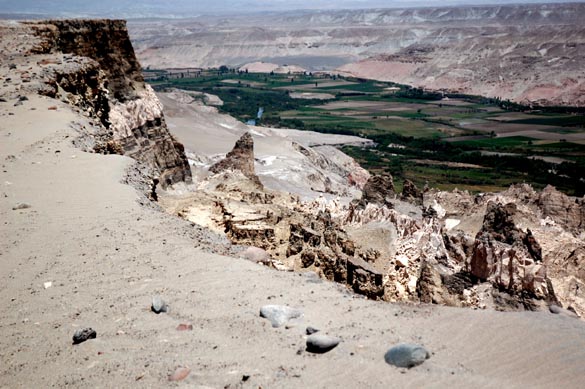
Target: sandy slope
106,256
208,136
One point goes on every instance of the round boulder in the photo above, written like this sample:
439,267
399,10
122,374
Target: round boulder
279,314
256,254
320,344
406,355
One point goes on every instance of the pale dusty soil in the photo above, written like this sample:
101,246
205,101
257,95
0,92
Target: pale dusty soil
352,104
267,67
280,166
308,95
106,256
253,83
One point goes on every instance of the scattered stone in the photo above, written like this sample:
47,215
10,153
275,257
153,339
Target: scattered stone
81,335
21,206
180,374
256,254
402,260
159,305
2,100
406,355
311,330
562,311
52,108
48,284
320,344
279,314
185,327
22,98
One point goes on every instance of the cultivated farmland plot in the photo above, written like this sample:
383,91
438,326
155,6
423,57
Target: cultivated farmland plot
440,135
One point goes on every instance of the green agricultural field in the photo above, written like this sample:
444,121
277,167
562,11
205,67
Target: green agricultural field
464,129
512,142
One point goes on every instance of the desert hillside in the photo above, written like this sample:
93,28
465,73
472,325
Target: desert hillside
525,53
127,221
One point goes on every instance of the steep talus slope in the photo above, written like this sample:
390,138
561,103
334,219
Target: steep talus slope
91,64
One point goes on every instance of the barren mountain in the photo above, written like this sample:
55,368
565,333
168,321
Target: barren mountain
526,53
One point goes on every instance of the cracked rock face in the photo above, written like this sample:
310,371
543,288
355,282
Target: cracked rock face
91,65
410,192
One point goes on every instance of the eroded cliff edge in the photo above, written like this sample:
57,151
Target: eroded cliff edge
91,64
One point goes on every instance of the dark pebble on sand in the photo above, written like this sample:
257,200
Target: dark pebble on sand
159,305
320,344
81,335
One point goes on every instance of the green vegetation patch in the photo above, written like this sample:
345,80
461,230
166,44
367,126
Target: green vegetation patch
406,124
498,143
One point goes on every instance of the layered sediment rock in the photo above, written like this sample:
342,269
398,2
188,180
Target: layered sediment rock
91,64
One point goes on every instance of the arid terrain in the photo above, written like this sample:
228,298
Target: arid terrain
173,231
525,53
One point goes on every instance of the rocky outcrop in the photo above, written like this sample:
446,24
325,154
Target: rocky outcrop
564,210
508,257
105,41
296,235
363,278
101,75
436,287
411,193
378,190
241,158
